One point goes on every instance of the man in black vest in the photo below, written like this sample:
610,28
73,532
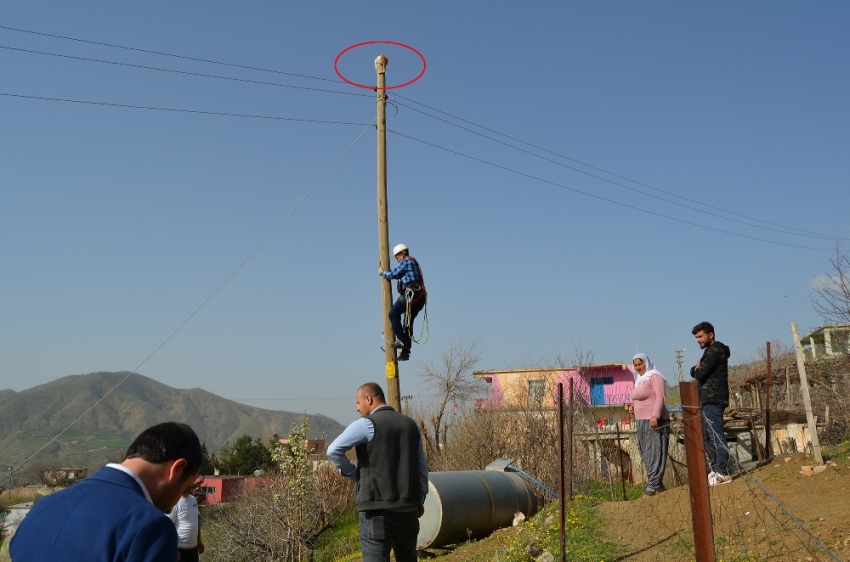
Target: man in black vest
391,476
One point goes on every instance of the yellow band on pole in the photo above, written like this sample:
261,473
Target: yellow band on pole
391,372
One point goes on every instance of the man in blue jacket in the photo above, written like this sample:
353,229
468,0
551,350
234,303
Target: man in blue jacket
119,512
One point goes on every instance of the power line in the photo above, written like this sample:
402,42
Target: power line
599,197
184,72
756,332
204,303
177,110
163,54
783,230
598,168
799,232
768,307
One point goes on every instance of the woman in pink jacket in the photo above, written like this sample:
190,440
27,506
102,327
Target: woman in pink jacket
653,421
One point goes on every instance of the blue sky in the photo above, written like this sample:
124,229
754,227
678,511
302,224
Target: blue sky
117,223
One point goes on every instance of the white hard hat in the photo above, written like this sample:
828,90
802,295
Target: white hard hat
399,249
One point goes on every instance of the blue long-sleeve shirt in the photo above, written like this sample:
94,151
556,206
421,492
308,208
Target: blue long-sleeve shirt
360,432
407,272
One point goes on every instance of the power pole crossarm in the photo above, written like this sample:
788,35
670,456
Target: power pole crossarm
393,390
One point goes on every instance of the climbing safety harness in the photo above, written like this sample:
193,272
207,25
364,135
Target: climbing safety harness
409,293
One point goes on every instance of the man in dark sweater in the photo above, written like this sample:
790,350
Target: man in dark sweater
391,476
712,374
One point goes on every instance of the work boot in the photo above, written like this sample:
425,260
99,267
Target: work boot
404,355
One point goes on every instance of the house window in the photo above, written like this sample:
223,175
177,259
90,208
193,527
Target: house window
536,391
595,381
206,491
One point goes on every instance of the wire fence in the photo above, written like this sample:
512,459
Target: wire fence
745,519
748,521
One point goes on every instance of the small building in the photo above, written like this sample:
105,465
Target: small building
13,516
607,384
66,475
218,489
826,341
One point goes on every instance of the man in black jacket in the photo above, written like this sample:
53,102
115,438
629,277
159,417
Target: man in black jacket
712,374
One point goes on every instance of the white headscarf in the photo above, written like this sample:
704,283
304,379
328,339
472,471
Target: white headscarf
650,369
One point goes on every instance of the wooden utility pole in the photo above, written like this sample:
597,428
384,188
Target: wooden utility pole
804,389
393,390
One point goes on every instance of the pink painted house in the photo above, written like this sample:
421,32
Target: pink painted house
609,384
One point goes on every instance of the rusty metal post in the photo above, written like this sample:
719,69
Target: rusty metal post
620,454
572,446
561,498
697,473
768,452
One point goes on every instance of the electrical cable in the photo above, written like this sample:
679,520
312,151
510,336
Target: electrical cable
755,333
598,168
184,72
612,182
205,301
599,197
177,110
163,54
765,309
260,69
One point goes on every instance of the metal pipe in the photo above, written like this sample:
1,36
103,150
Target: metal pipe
472,503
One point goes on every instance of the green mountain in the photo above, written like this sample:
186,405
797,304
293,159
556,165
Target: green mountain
30,418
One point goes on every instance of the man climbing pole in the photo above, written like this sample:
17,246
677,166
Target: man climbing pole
411,297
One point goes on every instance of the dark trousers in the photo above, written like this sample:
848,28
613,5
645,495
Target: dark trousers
400,308
188,554
654,444
382,531
714,438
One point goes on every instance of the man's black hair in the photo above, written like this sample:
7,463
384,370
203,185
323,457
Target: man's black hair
703,327
374,390
167,442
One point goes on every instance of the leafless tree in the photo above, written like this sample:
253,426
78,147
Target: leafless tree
833,292
449,385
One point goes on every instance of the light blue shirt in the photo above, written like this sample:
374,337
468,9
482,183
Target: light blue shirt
360,432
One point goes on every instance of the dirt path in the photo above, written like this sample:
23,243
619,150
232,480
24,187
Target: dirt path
749,523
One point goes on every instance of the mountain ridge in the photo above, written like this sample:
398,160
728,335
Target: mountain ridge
29,418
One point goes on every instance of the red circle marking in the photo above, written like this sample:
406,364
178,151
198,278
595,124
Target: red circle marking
366,87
